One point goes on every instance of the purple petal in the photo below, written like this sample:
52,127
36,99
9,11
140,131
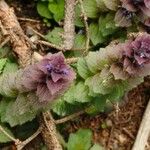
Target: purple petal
54,87
56,76
128,5
147,3
31,77
43,93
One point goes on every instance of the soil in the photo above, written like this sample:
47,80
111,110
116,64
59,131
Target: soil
116,130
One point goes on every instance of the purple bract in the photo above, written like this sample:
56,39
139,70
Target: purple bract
49,78
135,60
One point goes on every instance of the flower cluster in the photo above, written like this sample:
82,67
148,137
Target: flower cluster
49,78
135,60
130,8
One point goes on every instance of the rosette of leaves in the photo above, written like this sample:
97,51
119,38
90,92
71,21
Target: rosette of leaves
28,91
110,72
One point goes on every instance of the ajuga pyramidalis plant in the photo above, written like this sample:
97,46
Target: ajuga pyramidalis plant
107,74
48,78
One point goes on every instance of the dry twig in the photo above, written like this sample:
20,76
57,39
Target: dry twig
20,44
69,27
70,117
144,131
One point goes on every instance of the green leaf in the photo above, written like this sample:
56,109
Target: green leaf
81,93
3,137
2,64
62,108
10,67
55,36
8,84
107,24
90,8
79,41
117,91
69,96
94,62
57,8
73,95
78,19
112,5
100,83
95,34
19,111
83,69
3,105
99,102
97,147
42,8
101,5
80,140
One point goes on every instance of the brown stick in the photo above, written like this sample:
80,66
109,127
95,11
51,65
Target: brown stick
49,132
70,117
19,41
69,27
144,131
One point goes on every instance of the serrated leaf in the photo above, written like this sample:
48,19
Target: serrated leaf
78,140
69,96
107,24
7,82
100,83
93,61
2,64
19,111
96,147
112,5
91,8
10,67
79,41
57,8
54,36
3,105
98,104
83,69
42,8
117,91
81,93
62,108
3,137
78,19
133,82
101,5
95,34
73,95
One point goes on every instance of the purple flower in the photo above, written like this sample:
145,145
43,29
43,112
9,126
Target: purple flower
123,17
140,8
49,78
136,5
135,59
